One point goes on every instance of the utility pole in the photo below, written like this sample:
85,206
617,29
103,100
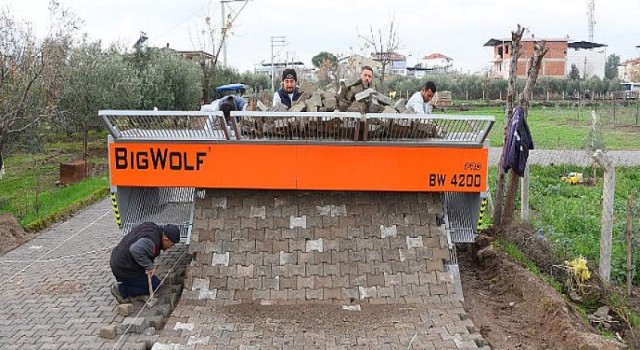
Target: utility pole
276,41
226,24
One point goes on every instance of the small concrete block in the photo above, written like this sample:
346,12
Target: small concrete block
332,210
391,231
156,322
414,242
207,294
194,340
314,245
261,106
222,259
219,202
298,221
365,94
149,331
246,271
383,99
392,279
200,283
403,254
401,106
446,277
288,258
370,292
257,212
298,107
180,326
134,324
124,309
162,346
108,332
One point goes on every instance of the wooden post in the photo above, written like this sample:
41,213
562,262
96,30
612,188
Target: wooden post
607,213
629,245
524,195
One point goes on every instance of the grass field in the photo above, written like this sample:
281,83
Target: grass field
568,128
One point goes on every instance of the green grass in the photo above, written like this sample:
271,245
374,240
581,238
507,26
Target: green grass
570,215
565,128
29,189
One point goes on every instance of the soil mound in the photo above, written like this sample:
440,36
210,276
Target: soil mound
11,234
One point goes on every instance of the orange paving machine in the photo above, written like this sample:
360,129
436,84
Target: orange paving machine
160,161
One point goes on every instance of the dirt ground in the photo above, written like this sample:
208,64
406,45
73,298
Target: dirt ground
11,234
515,310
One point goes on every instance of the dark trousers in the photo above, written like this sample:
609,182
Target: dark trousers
137,285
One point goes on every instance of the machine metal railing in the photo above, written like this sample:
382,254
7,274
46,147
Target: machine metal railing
299,127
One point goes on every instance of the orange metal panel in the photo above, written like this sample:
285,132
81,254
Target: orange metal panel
304,167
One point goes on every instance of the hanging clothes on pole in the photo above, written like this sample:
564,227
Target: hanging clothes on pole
519,142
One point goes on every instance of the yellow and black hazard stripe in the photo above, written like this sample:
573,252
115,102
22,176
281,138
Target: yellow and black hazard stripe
483,209
116,212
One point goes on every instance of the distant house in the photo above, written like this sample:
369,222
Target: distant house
553,63
626,69
588,57
437,62
266,68
396,63
198,56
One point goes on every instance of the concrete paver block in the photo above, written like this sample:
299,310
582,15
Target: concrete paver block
180,326
108,332
298,221
386,232
220,259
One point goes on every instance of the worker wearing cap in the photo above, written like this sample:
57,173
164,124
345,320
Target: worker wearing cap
420,102
239,104
289,92
133,259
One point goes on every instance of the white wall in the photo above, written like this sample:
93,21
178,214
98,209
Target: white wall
593,60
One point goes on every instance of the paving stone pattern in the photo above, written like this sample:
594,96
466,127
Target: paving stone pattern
283,269
290,246
54,290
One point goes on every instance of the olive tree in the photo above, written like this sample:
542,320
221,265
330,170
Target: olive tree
95,80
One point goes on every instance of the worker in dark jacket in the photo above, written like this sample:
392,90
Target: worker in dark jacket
132,260
289,92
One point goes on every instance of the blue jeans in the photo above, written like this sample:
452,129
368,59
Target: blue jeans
137,286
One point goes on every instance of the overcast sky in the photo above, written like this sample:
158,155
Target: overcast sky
456,28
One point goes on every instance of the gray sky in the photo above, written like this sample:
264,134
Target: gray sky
456,28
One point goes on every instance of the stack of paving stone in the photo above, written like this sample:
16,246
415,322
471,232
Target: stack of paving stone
347,98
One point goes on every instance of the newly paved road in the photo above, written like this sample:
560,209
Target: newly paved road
54,290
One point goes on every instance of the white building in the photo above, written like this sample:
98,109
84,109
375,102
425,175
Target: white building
437,62
590,58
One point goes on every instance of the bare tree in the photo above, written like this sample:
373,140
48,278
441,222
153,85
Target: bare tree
516,36
384,42
535,63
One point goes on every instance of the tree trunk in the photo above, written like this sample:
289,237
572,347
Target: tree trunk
607,214
515,50
532,76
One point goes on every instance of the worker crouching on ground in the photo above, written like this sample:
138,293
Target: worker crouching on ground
133,259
